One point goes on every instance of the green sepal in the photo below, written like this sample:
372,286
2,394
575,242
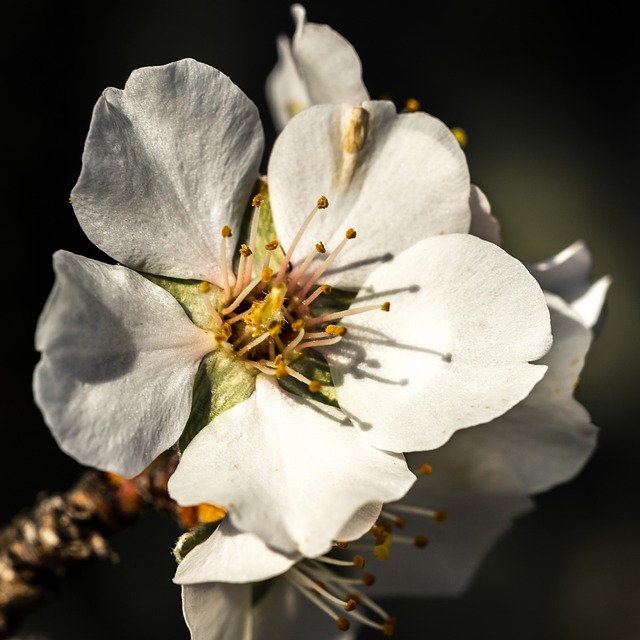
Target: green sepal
191,539
223,380
194,301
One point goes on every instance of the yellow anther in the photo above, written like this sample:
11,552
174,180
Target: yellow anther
281,370
257,201
226,231
343,624
341,544
401,523
322,203
321,584
426,469
420,541
335,330
271,246
381,552
380,533
576,384
267,274
320,248
411,105
368,579
245,251
223,332
356,133
358,561
205,287
389,626
298,325
314,386
440,516
275,328
326,289
385,306
460,135
382,547
351,234
210,513
350,604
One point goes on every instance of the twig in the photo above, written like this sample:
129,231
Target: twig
43,545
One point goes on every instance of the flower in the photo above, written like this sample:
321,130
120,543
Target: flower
169,345
484,478
569,274
232,583
317,66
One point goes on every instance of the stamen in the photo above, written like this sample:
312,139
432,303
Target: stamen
319,343
322,203
254,343
349,235
341,622
460,135
357,561
411,105
226,233
398,521
438,516
298,271
322,289
354,136
204,288
313,385
348,312
308,586
257,202
295,342
245,292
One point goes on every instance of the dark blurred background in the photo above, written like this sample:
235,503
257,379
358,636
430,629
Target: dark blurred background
547,95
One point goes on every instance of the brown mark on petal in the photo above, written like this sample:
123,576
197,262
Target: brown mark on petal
353,141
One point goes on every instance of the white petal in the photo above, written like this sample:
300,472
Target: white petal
287,469
328,63
466,320
119,357
548,437
217,611
566,272
481,494
569,274
483,223
229,555
361,522
409,180
590,303
285,90
168,162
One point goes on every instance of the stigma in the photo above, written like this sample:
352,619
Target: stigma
272,313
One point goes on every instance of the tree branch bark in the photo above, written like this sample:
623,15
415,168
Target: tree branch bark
41,546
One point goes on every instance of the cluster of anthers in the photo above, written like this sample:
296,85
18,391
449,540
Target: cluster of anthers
266,319
342,597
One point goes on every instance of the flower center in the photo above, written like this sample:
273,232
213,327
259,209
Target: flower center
271,318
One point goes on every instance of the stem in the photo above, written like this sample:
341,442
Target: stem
43,545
